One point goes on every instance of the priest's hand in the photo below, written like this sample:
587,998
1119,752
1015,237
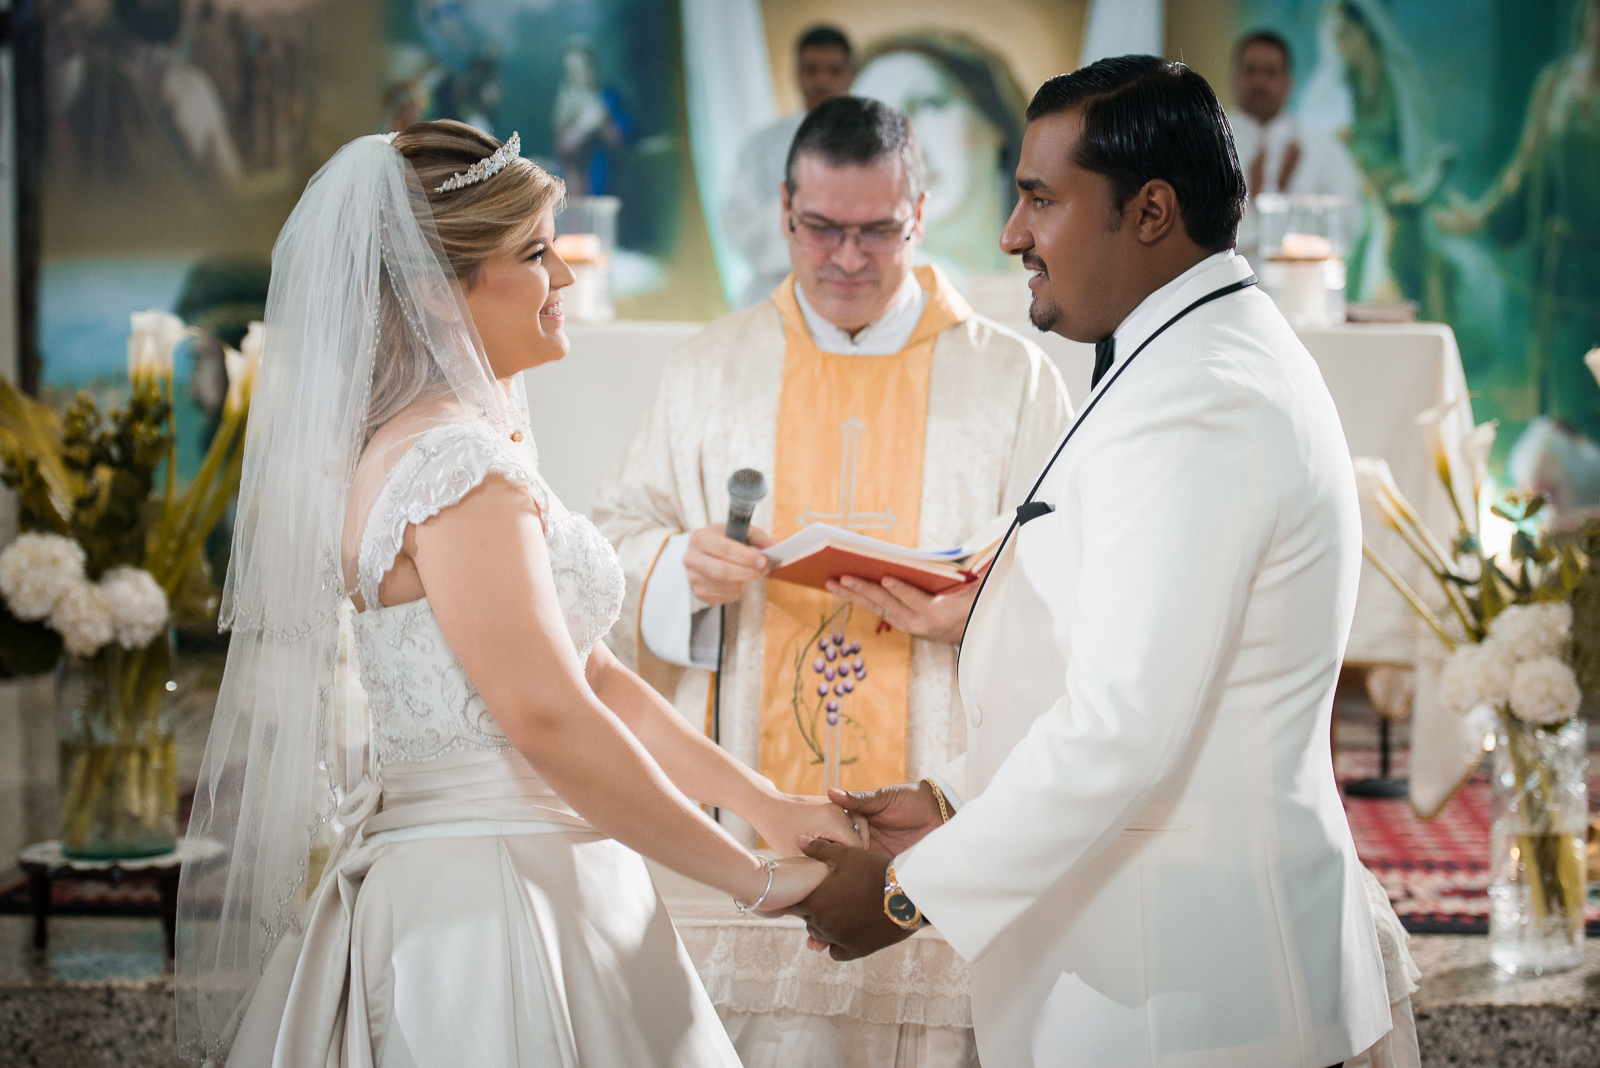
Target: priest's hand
719,567
845,913
895,817
938,618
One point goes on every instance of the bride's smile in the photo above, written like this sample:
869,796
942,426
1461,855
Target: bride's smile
515,300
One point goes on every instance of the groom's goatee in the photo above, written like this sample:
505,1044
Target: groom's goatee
1042,314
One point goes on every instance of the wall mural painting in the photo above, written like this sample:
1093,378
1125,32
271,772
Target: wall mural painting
178,134
594,88
966,106
1492,226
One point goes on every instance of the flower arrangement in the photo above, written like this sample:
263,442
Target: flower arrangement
1514,625
105,562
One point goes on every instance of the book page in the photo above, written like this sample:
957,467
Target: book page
815,536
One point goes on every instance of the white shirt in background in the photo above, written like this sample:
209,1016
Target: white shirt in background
752,213
1325,166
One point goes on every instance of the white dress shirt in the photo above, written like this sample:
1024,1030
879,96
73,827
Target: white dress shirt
752,211
1325,166
678,626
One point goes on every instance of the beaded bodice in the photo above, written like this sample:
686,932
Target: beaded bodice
423,705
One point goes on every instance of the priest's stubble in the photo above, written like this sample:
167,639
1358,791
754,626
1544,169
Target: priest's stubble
1094,261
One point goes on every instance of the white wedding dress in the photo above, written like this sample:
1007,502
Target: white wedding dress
468,916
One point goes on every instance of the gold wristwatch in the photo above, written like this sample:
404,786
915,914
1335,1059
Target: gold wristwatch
899,908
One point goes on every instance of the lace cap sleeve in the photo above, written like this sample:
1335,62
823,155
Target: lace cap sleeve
443,466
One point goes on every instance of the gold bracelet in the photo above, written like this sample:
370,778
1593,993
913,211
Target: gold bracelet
938,795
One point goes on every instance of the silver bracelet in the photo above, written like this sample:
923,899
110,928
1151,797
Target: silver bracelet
745,910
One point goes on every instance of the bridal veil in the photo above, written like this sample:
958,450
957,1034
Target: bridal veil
367,341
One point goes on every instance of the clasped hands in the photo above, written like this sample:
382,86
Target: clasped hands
844,912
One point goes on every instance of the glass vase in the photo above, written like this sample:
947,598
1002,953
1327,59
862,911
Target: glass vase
1538,875
118,756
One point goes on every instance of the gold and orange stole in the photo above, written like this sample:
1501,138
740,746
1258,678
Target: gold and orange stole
849,451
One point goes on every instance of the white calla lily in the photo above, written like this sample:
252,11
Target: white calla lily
152,338
241,365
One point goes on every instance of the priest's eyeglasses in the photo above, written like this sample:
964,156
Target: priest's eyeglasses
873,239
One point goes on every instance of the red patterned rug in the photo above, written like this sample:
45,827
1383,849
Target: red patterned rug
1436,873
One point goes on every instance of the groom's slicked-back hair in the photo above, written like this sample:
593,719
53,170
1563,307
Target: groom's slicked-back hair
1145,118
855,131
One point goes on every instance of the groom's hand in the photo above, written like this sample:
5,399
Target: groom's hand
846,910
898,817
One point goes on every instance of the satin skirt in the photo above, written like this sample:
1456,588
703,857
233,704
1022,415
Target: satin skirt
468,916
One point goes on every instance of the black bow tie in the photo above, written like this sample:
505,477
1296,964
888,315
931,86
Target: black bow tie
1105,353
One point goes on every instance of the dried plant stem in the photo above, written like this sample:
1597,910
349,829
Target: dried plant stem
1411,597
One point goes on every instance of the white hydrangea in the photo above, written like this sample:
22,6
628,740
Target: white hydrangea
1525,631
35,570
1474,675
82,616
1544,691
138,605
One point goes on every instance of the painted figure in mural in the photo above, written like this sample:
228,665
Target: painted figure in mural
1367,84
472,94
128,108
1549,196
752,214
590,122
965,105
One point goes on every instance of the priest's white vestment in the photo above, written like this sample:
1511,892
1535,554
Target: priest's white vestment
995,405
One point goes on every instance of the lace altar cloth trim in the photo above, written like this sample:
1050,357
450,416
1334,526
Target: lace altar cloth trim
759,966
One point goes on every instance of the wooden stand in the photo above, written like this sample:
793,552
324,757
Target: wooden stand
45,864
1391,690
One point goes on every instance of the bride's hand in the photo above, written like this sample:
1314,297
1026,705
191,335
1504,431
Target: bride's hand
792,882
784,818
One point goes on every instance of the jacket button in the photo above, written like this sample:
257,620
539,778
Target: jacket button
975,717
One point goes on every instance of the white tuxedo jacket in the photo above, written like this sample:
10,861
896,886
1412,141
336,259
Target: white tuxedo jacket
1151,865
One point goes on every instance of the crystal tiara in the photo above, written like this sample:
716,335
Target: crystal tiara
485,168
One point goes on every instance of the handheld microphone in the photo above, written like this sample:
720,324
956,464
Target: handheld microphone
746,488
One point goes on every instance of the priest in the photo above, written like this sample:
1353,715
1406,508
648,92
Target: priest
871,397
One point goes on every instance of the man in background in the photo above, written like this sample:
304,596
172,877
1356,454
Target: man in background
824,68
1277,154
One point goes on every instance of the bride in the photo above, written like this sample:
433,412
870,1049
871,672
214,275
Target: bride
447,870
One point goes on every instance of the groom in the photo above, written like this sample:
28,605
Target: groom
1143,854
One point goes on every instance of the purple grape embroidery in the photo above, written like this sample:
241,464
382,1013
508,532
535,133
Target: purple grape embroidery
839,659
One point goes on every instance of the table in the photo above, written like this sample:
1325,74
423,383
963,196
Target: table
45,864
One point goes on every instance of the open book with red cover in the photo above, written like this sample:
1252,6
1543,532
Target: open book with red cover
821,552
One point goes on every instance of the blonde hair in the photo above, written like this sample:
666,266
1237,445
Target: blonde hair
473,224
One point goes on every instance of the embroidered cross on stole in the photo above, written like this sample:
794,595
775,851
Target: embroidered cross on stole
849,451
